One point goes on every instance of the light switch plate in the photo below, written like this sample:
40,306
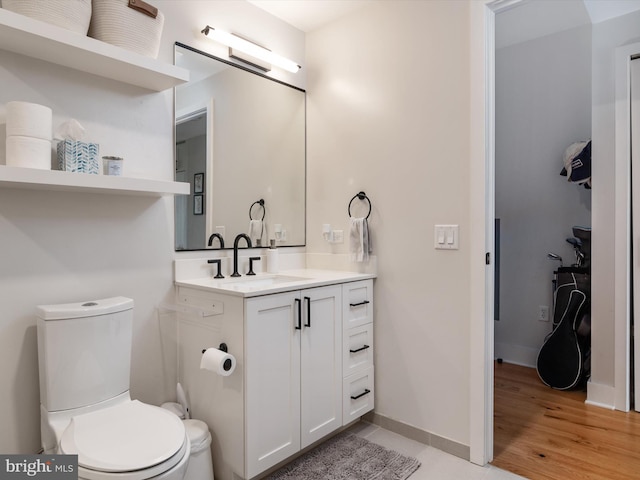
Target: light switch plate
446,237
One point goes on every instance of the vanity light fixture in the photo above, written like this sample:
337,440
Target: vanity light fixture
234,42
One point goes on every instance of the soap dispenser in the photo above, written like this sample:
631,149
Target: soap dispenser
272,257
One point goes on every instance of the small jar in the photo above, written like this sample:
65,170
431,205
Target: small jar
112,166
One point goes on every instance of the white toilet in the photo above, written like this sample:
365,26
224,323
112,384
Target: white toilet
84,356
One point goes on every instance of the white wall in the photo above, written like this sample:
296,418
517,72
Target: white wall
543,104
66,247
388,113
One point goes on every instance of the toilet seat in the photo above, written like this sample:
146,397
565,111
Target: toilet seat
131,441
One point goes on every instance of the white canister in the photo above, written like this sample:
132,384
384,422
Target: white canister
112,166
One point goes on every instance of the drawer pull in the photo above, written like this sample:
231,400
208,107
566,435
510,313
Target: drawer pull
359,349
359,304
366,390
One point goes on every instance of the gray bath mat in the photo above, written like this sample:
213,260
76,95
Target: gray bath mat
348,457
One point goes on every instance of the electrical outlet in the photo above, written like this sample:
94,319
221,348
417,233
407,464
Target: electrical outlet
543,313
338,236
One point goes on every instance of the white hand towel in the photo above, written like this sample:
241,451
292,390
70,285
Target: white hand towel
255,232
359,240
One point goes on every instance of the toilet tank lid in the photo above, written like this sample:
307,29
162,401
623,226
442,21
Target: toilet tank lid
84,309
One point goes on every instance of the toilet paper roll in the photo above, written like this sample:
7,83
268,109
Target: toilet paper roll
218,361
29,120
28,152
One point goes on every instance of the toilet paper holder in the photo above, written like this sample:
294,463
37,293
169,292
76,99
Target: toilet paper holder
223,348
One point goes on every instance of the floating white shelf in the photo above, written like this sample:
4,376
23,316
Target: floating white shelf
30,178
44,41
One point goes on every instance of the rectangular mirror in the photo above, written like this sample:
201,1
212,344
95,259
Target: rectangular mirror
240,143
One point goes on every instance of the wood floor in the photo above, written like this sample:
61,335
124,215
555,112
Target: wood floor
541,433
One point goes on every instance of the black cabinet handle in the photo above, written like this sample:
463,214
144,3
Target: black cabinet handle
308,300
359,349
366,390
299,308
358,304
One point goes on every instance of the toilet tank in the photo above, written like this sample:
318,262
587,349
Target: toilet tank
84,352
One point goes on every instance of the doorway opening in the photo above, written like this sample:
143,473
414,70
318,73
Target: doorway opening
542,113
614,143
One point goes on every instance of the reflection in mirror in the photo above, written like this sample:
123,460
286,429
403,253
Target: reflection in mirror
240,138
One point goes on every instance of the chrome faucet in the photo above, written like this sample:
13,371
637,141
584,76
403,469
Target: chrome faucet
219,237
235,251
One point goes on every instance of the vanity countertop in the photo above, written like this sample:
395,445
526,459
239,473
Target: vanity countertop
266,283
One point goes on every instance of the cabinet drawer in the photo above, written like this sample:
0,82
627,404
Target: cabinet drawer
357,303
358,349
209,305
358,395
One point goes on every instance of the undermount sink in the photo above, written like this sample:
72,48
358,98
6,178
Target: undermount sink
256,282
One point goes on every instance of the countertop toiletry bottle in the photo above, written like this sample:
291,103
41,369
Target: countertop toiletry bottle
272,257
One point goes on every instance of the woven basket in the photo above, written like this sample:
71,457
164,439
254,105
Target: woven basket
73,15
114,22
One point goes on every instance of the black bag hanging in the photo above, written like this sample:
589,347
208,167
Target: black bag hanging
561,359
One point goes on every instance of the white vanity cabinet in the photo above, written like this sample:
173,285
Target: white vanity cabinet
304,360
293,381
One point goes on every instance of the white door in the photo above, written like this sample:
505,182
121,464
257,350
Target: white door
272,380
321,363
635,222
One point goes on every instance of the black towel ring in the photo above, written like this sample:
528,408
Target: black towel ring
258,202
360,196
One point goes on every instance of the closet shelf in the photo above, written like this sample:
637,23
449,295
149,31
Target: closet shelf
36,39
29,178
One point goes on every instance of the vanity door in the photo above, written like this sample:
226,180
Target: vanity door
272,352
321,363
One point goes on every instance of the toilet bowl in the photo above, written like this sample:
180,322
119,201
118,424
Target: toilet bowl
84,353
132,440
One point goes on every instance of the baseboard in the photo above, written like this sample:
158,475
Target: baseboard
422,436
516,354
601,395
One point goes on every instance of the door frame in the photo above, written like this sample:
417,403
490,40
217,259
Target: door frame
482,209
622,258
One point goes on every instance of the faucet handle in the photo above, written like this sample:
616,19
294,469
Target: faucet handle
219,263
251,260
